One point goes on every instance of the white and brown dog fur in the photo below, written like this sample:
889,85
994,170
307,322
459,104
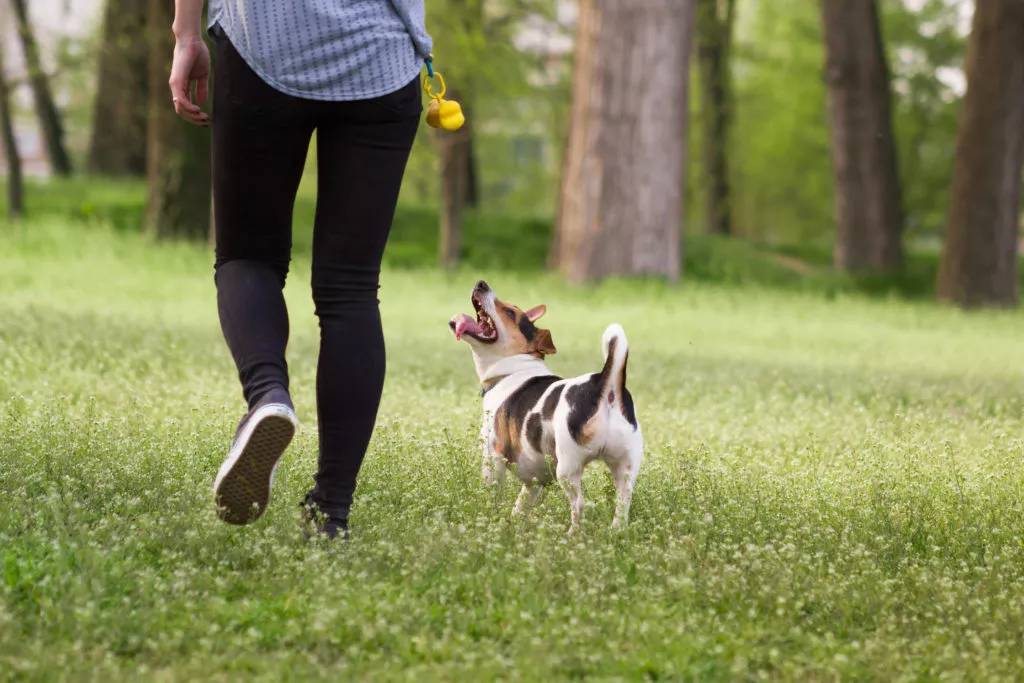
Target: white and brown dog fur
541,426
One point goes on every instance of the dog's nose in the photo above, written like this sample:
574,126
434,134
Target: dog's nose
482,286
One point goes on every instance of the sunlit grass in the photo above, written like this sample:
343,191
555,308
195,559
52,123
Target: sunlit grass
832,490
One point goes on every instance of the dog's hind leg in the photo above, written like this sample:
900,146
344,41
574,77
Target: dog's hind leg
572,483
527,497
625,477
624,472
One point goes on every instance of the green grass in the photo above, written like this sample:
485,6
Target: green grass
520,242
832,490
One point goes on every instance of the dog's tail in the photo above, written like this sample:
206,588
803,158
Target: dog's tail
616,353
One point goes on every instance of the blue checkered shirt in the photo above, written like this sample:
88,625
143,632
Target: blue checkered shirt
328,49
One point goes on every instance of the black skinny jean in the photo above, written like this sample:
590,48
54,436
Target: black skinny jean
260,140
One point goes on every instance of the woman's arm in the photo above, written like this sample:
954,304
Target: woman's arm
191,62
188,18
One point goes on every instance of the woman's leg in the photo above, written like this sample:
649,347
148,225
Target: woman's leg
260,141
362,150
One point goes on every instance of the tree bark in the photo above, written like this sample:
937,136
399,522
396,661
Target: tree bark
15,191
979,264
456,169
50,123
714,37
118,143
868,202
621,207
178,153
554,260
472,177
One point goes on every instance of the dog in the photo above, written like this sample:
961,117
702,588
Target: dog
540,425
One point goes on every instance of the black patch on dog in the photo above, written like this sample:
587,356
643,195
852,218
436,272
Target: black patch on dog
584,399
535,432
508,422
627,408
528,329
583,402
551,402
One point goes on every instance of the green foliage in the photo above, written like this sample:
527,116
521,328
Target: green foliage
782,174
509,241
780,149
926,52
831,490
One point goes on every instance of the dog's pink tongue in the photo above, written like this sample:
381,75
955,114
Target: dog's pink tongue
463,324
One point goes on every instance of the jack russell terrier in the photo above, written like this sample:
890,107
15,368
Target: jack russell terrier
533,419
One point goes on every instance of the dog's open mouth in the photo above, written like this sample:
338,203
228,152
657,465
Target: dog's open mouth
482,329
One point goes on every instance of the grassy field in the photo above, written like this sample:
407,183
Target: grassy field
832,490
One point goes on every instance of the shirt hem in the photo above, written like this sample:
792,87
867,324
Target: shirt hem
319,96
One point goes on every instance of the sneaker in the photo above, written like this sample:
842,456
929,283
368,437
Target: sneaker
242,489
330,525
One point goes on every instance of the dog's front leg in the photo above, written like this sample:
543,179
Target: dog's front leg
493,470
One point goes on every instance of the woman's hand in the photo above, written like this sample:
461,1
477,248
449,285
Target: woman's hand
191,64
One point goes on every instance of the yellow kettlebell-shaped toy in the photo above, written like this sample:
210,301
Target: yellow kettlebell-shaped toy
441,113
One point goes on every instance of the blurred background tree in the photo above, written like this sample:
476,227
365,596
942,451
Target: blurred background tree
818,142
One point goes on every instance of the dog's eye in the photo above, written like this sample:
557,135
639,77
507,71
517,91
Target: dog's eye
511,314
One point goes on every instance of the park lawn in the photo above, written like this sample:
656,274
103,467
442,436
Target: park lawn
832,489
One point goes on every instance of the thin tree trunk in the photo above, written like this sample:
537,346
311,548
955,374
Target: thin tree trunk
554,260
50,122
456,166
118,143
178,153
714,32
979,264
622,196
473,177
868,203
15,191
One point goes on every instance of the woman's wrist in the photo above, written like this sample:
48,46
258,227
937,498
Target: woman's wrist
188,19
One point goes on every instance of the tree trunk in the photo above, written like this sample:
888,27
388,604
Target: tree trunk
178,153
554,260
456,169
118,143
714,36
979,265
868,210
50,123
622,196
15,192
473,177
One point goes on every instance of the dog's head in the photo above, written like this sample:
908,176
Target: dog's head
500,329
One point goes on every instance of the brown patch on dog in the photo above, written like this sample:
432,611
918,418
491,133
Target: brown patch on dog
519,328
589,430
506,441
509,418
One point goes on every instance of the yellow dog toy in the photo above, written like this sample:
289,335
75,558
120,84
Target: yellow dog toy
441,113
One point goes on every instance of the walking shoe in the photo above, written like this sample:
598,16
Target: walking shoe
330,525
242,489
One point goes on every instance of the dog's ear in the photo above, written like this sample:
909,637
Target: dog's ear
542,343
534,314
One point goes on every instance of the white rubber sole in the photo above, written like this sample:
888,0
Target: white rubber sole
242,488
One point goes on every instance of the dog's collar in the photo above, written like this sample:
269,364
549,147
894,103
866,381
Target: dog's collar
490,384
